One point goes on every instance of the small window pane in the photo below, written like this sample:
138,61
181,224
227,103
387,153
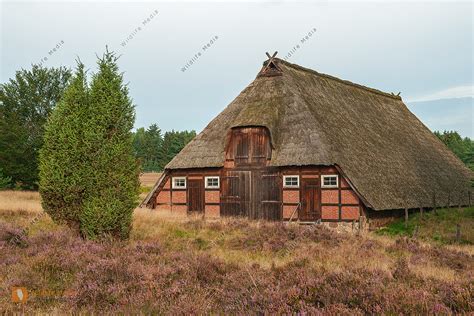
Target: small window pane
212,182
291,181
330,181
179,182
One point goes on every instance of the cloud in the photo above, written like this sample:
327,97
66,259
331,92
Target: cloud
450,93
447,114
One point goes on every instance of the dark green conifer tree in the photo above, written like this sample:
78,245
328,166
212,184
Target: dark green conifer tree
88,172
113,169
63,157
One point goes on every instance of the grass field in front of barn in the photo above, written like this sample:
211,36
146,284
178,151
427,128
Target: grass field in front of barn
190,265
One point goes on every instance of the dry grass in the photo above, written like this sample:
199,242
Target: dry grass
29,201
181,265
149,179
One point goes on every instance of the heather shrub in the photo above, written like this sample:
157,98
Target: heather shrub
278,237
167,274
12,235
401,270
455,260
440,254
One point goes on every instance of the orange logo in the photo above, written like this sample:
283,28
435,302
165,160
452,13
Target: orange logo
19,295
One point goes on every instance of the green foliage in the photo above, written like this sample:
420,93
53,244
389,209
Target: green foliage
25,104
145,189
5,182
88,172
114,193
64,156
155,150
461,147
147,146
439,226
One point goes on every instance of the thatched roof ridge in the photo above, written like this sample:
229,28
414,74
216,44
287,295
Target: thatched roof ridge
392,159
347,82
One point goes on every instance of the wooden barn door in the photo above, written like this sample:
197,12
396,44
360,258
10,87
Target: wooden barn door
195,195
235,193
250,188
252,193
310,210
269,195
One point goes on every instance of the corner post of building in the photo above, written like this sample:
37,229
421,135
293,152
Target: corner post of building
448,204
406,217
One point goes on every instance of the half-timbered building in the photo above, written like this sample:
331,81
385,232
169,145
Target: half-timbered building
298,144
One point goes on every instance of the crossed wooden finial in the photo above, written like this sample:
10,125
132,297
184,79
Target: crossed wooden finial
271,62
271,57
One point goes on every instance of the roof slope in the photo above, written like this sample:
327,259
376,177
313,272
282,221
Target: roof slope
391,158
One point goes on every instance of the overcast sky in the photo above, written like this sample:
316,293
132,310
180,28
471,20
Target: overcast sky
424,50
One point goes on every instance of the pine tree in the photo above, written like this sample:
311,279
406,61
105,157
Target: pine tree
113,170
63,182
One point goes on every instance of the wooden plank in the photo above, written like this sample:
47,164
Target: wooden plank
195,195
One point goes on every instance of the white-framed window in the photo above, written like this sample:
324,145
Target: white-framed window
211,182
291,181
329,181
179,182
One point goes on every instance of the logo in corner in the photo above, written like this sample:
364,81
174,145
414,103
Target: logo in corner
19,295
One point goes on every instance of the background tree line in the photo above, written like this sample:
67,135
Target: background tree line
26,103
461,147
155,150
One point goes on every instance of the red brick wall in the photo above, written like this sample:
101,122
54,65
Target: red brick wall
212,211
179,196
167,184
349,197
344,183
212,196
291,196
350,212
288,211
330,212
163,197
329,196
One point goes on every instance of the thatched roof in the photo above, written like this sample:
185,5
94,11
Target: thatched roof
391,158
